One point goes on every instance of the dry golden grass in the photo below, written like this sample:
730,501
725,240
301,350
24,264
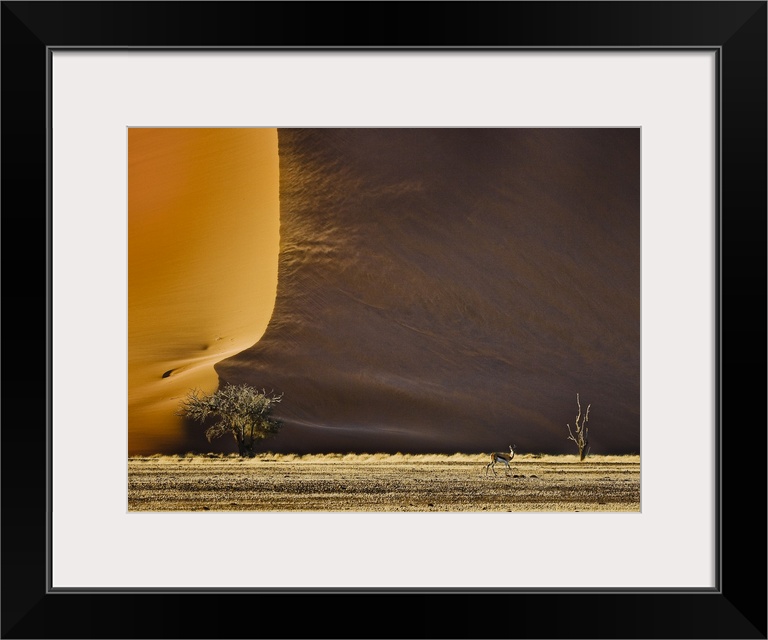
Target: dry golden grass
388,458
382,482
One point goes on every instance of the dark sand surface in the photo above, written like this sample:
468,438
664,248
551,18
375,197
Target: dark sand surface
447,290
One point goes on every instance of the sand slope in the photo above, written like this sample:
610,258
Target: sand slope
203,240
449,290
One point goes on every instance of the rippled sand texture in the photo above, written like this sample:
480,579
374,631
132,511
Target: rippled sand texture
203,241
448,290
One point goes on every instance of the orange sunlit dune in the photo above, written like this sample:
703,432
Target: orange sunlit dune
203,242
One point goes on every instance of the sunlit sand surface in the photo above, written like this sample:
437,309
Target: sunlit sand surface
203,241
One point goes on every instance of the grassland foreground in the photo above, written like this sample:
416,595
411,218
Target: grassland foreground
383,482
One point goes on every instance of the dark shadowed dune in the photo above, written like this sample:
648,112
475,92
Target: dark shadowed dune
444,290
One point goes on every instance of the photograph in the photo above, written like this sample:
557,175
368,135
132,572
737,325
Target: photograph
384,307
384,319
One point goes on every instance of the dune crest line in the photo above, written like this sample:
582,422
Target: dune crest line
203,243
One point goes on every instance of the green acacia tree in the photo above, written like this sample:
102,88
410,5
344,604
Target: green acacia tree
241,410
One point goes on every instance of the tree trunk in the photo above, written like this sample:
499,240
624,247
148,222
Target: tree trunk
242,448
247,450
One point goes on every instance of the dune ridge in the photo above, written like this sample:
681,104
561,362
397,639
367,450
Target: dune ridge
203,242
448,290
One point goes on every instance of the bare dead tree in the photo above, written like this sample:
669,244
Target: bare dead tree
581,435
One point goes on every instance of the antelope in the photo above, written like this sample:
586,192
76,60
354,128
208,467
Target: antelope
501,457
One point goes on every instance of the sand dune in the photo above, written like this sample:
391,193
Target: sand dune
203,240
449,290
440,290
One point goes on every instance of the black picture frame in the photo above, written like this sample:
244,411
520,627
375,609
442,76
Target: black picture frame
735,609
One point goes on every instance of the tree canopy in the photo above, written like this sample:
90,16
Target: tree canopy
241,410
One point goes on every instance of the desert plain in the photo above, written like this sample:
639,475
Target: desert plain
383,483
